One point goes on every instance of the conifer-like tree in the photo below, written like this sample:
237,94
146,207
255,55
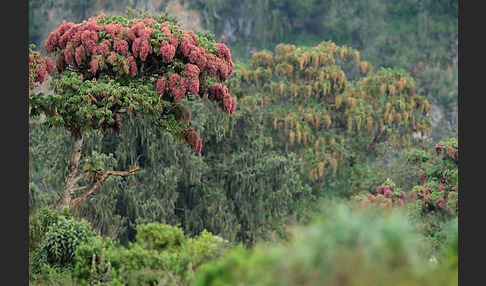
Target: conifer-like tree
327,105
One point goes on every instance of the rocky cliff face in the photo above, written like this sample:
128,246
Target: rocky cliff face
190,19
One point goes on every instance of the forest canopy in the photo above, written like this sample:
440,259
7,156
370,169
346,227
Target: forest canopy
267,142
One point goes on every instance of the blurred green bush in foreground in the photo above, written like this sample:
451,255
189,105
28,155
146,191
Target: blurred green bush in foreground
343,246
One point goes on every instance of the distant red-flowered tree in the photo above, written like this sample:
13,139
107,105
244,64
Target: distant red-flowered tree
111,66
437,190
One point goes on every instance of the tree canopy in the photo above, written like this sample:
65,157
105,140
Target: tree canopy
327,105
108,67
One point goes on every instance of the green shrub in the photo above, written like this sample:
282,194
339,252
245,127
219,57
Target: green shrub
60,242
449,253
155,236
52,276
91,264
160,255
341,247
39,223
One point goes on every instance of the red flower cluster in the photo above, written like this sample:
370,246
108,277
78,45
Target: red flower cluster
193,86
186,46
160,86
167,51
86,44
389,193
220,92
192,78
80,55
451,152
39,66
225,54
198,56
133,65
191,71
385,198
105,47
177,87
441,204
89,40
421,178
84,39
433,198
193,140
94,65
437,149
447,151
98,45
220,66
120,46
68,55
141,47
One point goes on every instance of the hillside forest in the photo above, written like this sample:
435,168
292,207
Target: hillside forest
222,142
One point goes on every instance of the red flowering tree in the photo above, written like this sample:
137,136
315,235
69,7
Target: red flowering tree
109,68
437,189
387,195
39,67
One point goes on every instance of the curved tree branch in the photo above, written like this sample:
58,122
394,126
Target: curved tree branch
98,179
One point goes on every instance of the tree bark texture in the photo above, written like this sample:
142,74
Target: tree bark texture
74,176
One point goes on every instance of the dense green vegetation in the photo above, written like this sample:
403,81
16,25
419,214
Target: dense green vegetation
420,37
340,247
325,104
77,255
331,168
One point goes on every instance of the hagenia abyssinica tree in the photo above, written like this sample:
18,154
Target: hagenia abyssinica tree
109,67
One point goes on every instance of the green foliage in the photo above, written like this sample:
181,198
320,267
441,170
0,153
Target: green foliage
37,197
341,246
417,156
91,265
251,183
432,200
62,239
103,82
450,250
238,189
325,104
54,238
418,36
438,179
159,17
161,254
39,224
53,276
154,236
48,148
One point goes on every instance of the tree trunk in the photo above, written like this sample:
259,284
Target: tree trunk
72,176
